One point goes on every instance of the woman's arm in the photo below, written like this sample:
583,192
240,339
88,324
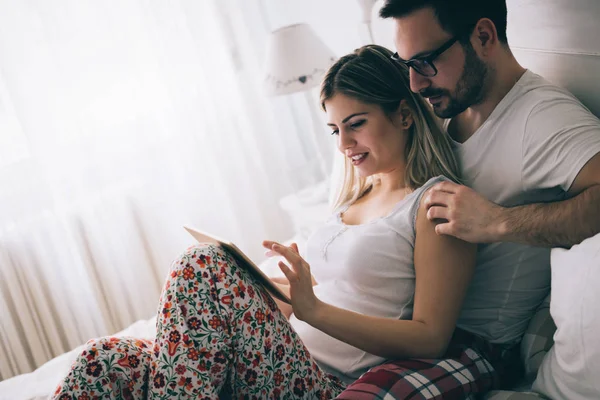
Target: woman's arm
444,266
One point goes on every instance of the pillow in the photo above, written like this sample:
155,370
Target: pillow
571,369
537,341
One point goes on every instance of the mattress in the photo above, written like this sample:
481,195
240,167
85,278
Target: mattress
42,382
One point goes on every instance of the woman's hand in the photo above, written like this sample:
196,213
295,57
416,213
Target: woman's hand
304,302
280,279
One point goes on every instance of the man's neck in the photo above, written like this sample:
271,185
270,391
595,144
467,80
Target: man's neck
464,125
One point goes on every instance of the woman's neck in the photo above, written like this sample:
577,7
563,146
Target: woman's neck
390,182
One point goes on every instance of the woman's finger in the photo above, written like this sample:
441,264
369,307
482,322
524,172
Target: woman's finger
270,253
289,274
268,244
288,253
299,266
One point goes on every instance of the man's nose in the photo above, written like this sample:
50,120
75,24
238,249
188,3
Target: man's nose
418,82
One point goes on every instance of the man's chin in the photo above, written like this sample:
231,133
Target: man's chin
441,111
441,114
446,111
439,105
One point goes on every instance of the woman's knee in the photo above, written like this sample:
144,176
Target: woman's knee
105,346
107,364
199,249
130,352
197,260
198,269
95,346
93,355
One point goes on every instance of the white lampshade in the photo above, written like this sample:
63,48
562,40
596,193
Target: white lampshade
366,6
296,60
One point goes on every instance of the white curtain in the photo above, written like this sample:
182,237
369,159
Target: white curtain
121,121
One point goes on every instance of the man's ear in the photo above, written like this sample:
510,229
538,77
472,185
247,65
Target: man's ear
405,115
484,37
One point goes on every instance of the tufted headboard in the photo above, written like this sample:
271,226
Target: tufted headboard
558,39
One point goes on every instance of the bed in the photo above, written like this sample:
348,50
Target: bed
551,37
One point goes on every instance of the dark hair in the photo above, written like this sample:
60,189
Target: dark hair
457,17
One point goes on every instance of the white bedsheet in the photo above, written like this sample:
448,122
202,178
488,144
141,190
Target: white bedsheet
41,383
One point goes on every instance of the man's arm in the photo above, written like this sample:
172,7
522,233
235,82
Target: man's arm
473,218
561,224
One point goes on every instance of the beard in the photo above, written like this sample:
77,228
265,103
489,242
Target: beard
470,89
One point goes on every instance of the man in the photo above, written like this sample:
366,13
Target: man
529,151
472,76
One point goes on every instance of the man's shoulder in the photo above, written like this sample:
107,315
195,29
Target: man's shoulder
533,96
535,92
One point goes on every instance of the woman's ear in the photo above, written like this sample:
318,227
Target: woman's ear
405,115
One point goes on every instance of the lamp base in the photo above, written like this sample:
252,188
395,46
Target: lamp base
319,135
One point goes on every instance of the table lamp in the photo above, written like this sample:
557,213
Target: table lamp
296,61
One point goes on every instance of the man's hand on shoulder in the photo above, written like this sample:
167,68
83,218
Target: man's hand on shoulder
464,213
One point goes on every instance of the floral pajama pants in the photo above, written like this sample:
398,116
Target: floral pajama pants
219,335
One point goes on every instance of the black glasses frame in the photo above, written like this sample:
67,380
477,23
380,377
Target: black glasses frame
419,63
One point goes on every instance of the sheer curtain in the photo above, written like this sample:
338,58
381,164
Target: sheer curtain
119,123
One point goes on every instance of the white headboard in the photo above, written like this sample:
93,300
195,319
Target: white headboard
558,39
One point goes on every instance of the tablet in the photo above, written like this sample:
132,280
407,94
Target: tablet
242,260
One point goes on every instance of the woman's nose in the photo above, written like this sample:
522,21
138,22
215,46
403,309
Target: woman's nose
345,140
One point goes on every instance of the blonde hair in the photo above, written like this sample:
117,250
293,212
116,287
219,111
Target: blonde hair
371,76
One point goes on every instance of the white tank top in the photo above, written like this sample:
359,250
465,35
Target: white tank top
367,269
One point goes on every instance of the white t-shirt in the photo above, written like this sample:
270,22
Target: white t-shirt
529,150
367,269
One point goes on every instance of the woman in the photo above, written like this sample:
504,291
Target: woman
385,285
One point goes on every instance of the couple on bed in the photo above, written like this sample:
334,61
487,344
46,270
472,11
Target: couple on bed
426,275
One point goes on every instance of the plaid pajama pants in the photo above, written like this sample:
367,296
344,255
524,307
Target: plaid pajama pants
462,377
471,368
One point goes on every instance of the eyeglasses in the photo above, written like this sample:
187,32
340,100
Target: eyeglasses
424,65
